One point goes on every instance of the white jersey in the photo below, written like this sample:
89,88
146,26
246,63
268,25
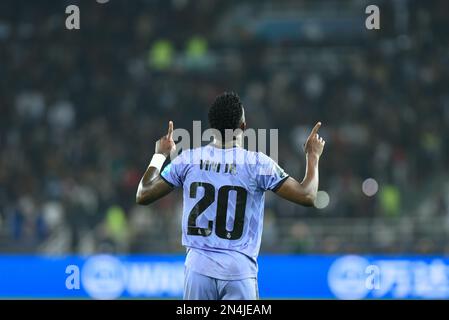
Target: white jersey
223,207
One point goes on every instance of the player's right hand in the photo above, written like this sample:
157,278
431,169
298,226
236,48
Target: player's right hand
166,144
314,144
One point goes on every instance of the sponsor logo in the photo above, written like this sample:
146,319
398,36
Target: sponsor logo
103,277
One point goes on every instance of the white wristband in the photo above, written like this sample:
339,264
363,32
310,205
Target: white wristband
157,161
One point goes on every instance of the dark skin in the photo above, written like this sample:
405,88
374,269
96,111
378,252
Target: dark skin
152,187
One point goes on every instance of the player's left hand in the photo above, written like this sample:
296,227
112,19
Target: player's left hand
315,144
166,144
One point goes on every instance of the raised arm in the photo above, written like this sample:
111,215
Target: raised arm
304,193
152,187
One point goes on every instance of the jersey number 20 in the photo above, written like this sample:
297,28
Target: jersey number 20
222,210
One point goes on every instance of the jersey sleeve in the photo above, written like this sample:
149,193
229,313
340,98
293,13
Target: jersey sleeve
270,176
174,172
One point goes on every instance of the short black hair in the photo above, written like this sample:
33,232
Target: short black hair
226,112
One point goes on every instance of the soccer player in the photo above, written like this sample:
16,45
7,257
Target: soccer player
224,189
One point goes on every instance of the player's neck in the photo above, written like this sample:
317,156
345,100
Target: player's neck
236,142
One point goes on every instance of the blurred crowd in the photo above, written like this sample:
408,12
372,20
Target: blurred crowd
80,112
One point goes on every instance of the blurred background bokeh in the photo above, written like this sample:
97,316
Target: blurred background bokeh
80,111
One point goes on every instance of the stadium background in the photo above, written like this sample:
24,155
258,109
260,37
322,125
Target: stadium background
81,110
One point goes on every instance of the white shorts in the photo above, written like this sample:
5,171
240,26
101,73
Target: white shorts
201,287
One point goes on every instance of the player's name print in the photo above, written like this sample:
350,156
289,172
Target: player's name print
217,167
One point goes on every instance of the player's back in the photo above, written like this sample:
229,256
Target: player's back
223,207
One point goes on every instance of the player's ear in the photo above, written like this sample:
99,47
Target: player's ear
243,126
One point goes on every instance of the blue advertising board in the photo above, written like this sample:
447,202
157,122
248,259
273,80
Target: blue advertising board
280,276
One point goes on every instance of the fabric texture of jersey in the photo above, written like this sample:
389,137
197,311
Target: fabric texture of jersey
223,207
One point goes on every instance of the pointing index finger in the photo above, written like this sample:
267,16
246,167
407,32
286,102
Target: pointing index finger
170,130
315,129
